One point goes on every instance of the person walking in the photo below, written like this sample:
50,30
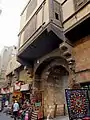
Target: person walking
15,109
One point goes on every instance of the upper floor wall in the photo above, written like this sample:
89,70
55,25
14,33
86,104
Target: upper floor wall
74,11
12,65
32,7
39,13
69,7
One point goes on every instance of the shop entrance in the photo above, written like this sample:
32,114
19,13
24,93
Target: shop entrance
17,95
26,95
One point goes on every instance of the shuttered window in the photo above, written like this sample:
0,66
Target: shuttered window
30,28
79,3
57,13
31,6
56,10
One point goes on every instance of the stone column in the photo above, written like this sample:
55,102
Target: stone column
36,83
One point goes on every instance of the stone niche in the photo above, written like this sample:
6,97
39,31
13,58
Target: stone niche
53,88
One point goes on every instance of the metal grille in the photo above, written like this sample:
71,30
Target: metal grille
79,3
31,6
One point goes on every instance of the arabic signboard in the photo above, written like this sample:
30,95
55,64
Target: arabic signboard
3,91
38,104
17,85
24,87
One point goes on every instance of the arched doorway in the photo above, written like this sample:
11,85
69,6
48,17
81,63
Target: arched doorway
53,81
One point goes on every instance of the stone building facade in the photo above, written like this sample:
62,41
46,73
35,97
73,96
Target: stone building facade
18,80
81,52
16,72
54,46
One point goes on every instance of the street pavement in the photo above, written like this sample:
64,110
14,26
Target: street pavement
60,118
3,116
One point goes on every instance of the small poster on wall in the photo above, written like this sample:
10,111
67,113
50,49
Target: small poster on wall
37,104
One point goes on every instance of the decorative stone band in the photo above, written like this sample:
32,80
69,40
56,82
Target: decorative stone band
66,51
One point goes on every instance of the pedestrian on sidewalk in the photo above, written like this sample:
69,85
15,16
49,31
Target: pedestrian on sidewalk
15,109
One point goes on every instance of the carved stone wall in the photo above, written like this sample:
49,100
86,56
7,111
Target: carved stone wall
81,53
53,88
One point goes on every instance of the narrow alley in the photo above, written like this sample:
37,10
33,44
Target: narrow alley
45,59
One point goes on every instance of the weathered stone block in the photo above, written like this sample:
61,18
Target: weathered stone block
81,52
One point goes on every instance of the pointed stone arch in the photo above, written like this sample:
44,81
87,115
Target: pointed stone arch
50,62
51,77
